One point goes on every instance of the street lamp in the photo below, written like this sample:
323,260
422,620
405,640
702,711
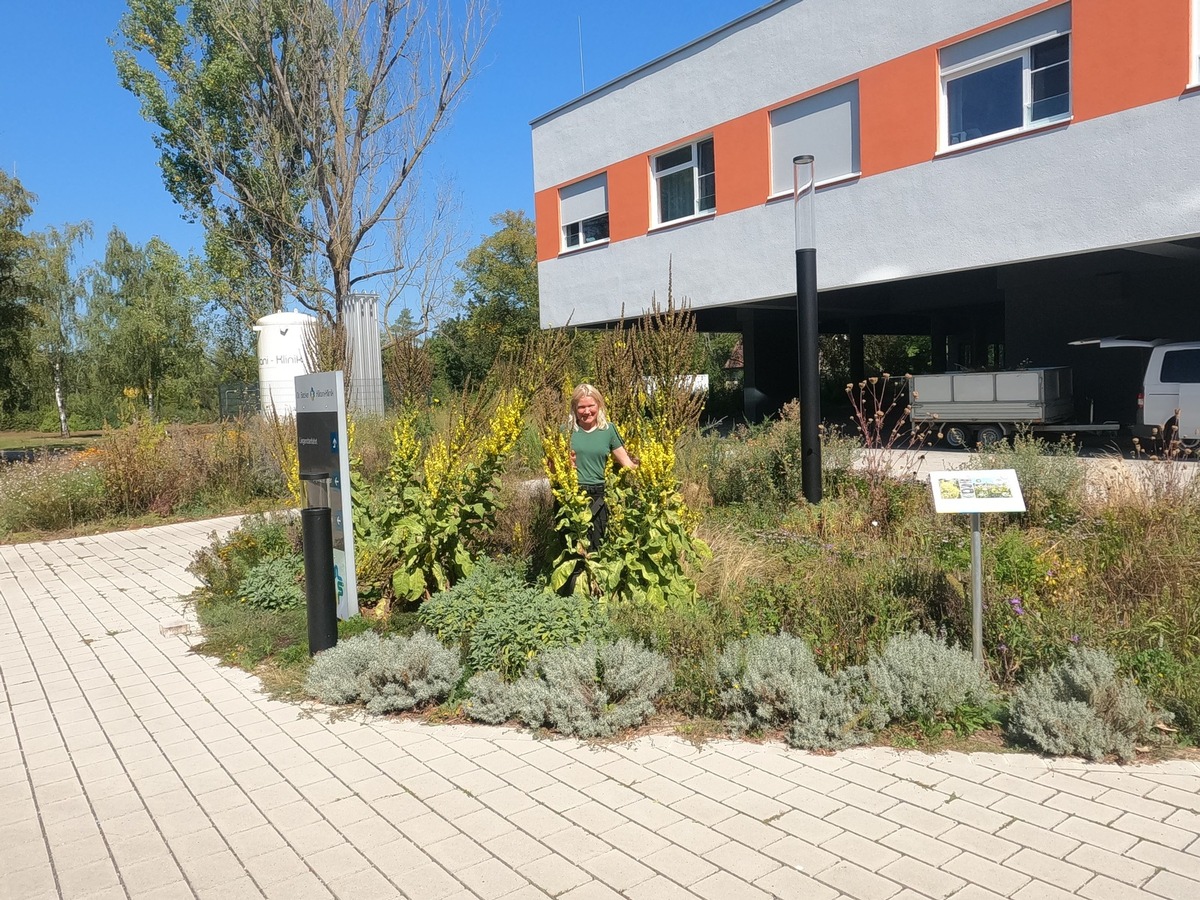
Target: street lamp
806,327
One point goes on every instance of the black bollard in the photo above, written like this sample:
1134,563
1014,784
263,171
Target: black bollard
317,524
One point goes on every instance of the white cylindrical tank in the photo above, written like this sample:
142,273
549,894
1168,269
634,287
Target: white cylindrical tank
281,359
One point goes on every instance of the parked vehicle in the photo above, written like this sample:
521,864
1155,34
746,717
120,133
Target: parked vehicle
970,408
973,408
1169,401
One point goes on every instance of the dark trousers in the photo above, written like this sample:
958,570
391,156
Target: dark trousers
595,493
599,526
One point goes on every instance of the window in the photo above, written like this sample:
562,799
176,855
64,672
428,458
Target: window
583,210
685,181
825,125
1181,366
1009,79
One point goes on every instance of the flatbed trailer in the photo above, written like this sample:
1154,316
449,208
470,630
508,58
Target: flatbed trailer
981,408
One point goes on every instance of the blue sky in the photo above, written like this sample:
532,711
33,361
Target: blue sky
75,138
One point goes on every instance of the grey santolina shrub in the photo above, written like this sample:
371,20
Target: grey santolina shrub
1082,707
490,698
409,672
762,680
589,690
829,713
335,673
769,681
387,674
920,677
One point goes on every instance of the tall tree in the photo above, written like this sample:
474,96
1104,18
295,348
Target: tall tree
499,289
55,292
264,104
142,323
16,205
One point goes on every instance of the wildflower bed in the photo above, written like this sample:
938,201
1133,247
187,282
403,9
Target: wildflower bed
719,598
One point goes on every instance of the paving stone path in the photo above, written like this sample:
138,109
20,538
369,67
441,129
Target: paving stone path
132,767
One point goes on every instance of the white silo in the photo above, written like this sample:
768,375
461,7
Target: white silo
280,359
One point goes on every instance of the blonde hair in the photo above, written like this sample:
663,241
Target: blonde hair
587,390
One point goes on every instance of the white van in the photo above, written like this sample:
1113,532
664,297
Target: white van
1171,383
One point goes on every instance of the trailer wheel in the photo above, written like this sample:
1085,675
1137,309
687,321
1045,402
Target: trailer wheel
955,436
988,435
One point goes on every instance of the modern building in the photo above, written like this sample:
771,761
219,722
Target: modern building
1003,175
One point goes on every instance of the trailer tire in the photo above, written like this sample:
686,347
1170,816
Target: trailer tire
986,435
955,436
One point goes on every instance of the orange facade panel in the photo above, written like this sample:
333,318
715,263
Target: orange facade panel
742,156
898,112
1122,58
628,198
545,217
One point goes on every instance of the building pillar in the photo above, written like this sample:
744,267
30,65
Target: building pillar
771,369
937,343
857,352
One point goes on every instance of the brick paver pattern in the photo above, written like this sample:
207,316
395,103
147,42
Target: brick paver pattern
131,766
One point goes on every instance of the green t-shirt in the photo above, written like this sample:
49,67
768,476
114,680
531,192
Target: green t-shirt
592,449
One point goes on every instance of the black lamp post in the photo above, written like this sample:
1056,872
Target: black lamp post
806,327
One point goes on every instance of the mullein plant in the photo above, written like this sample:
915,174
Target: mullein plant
650,535
419,527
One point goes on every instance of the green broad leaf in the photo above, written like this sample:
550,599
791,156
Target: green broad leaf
409,585
562,573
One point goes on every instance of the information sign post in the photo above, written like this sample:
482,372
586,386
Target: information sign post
980,491
324,453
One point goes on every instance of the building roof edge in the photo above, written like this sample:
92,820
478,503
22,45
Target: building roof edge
635,74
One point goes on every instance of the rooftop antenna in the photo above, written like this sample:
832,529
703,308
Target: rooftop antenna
582,82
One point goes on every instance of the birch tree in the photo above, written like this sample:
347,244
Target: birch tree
55,292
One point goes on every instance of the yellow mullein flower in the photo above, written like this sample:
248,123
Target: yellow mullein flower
406,450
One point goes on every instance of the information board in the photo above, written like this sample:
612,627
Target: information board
980,491
323,449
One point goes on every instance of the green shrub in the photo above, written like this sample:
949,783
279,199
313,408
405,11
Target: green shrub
501,622
1051,476
226,561
245,637
387,674
759,464
1082,707
590,690
273,583
769,681
920,678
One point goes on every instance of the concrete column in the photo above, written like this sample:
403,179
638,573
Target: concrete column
857,352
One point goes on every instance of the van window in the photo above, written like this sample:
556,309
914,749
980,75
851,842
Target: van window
1181,366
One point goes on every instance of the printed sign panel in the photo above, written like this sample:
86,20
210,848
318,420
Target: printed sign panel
321,437
984,490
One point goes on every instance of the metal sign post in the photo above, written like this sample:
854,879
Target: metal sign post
984,490
324,452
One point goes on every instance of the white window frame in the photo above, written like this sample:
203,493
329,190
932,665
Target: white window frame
589,199
1023,53
1194,61
692,163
